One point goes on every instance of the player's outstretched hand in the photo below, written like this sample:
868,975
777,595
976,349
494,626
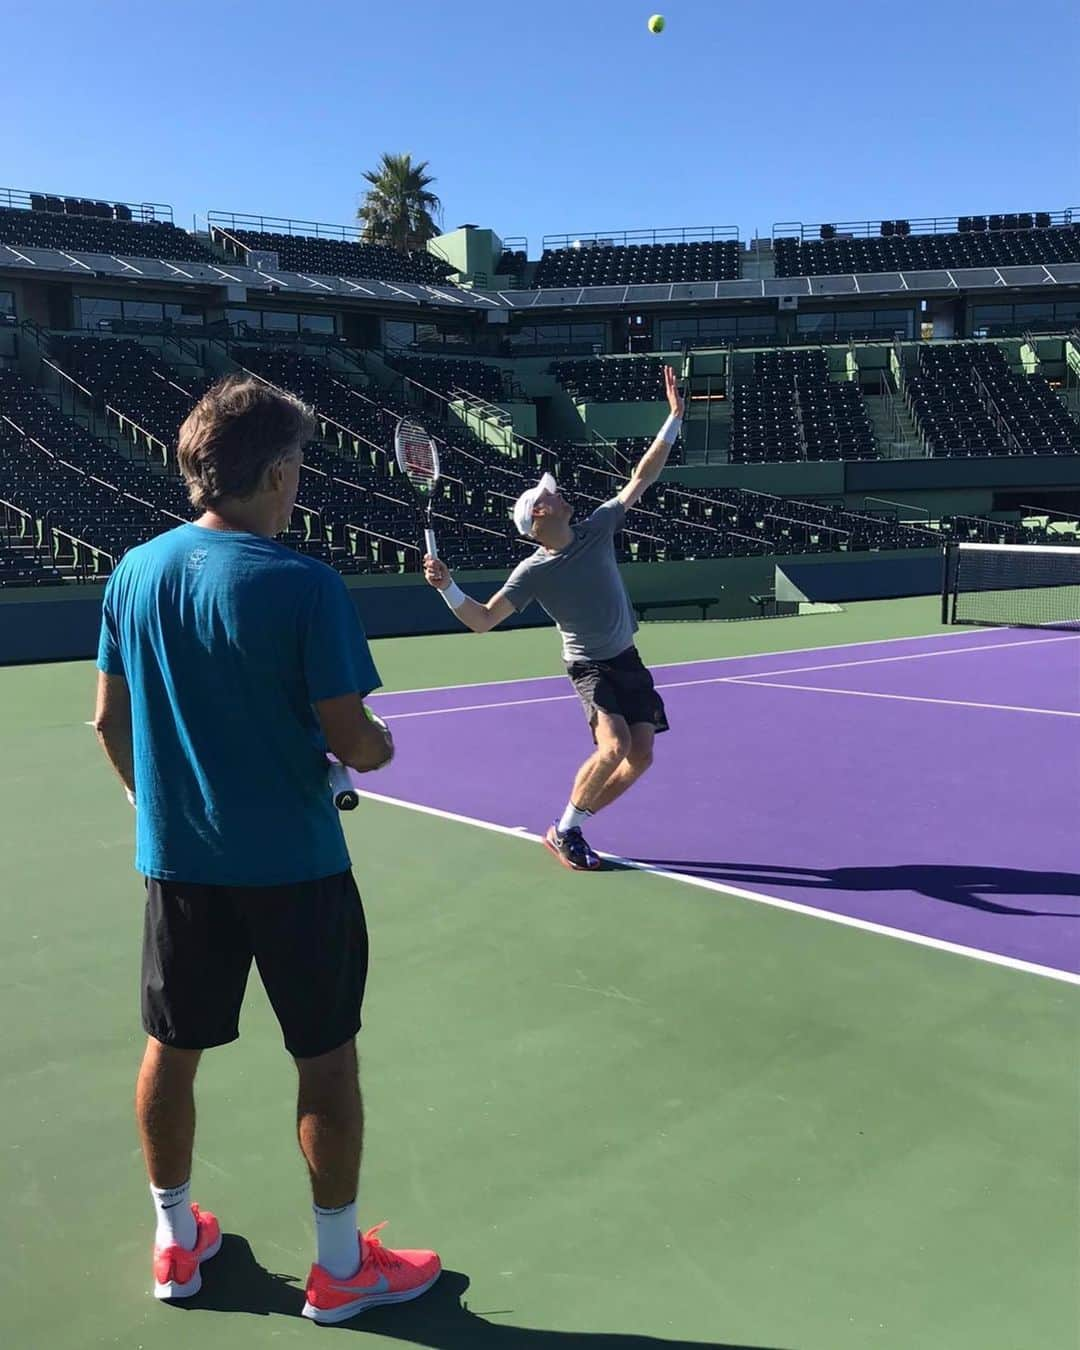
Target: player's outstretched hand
436,572
671,388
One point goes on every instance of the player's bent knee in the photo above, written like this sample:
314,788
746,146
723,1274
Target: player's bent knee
640,760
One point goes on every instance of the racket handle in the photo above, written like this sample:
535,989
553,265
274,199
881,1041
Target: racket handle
346,797
429,543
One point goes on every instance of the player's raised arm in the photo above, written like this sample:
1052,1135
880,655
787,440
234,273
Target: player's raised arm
480,618
652,462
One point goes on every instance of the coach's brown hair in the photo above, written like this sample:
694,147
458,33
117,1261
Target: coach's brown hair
238,428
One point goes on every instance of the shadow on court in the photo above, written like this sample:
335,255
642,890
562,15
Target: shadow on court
235,1282
972,887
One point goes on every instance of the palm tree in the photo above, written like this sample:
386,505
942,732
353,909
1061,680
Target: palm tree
397,208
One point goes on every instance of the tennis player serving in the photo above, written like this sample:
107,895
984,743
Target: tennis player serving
573,575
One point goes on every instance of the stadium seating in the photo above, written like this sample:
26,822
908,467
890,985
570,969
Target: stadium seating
95,234
129,377
341,257
65,498
966,401
354,509
511,263
21,557
919,252
792,410
638,264
74,469
621,380
985,530
445,377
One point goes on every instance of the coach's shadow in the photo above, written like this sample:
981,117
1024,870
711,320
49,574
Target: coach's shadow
970,886
235,1282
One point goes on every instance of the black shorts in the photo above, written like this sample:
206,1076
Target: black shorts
621,686
309,941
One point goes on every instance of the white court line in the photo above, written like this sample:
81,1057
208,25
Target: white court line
697,661
479,707
749,678
908,698
758,897
915,656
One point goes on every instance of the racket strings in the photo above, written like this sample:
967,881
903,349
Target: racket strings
417,457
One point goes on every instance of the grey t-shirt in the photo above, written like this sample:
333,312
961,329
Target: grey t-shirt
580,587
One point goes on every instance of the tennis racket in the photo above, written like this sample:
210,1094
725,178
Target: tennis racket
418,460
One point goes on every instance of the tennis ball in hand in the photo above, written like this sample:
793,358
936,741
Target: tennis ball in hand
374,717
656,23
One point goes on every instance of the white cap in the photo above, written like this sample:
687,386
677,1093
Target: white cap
523,507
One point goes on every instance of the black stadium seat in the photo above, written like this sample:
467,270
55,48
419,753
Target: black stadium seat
792,410
1010,241
638,264
966,401
342,257
51,227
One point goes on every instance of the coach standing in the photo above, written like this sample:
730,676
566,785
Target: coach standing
228,664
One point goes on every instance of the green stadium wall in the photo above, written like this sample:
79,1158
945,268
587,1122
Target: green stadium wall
944,486
61,623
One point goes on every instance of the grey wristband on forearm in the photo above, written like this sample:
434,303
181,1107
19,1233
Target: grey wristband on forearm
454,596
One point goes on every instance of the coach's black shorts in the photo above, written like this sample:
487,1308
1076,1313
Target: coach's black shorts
621,686
309,941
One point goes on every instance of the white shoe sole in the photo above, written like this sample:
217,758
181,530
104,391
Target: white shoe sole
328,1316
171,1289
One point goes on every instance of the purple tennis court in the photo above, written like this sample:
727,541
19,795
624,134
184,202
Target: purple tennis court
925,786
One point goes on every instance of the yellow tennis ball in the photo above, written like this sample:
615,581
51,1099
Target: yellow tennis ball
656,23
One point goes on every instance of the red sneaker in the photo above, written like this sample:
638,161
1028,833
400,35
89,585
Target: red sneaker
385,1276
176,1270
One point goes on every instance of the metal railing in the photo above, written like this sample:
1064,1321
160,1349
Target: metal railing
811,526
1001,423
132,431
316,229
904,506
871,229
235,247
22,199
85,558
26,533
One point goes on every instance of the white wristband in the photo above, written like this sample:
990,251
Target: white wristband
130,795
454,596
669,432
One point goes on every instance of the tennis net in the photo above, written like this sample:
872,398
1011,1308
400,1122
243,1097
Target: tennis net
1012,585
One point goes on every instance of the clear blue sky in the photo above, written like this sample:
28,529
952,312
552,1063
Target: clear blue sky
548,118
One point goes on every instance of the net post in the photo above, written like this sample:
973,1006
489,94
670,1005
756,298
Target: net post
946,557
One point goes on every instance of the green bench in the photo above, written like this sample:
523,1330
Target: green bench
641,607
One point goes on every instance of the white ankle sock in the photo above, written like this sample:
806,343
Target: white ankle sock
175,1221
338,1243
572,818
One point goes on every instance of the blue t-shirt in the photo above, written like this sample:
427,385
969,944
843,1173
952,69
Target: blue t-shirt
226,639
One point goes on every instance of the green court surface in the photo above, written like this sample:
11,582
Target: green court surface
629,1113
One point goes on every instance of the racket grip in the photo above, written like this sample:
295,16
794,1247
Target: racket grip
429,543
346,797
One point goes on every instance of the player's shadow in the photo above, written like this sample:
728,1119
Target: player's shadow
972,886
235,1282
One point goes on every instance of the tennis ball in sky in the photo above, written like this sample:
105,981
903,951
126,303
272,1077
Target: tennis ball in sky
656,23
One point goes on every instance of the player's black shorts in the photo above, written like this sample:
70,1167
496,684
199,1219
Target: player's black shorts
309,941
621,686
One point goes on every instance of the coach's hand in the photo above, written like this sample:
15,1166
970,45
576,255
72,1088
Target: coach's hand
436,572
